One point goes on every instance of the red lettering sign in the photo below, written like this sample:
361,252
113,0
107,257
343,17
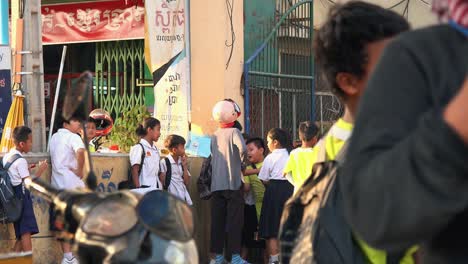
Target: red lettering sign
92,21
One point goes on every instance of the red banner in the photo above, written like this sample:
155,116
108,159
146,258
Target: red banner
93,21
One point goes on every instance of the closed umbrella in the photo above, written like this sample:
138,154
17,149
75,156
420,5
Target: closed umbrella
15,118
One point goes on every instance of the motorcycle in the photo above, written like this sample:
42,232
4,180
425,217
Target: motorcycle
122,226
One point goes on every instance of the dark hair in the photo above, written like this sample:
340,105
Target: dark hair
92,120
149,122
21,133
308,130
258,142
282,137
172,141
340,44
59,120
237,125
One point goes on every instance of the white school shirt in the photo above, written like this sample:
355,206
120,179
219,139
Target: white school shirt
63,147
18,170
273,165
149,172
177,186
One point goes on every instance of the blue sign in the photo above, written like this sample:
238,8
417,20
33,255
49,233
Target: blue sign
5,97
198,145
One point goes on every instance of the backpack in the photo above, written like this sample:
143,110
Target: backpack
167,181
128,184
204,181
11,206
313,227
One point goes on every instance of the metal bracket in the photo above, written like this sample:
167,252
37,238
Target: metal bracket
143,82
29,73
27,52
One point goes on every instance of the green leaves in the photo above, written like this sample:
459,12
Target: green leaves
124,131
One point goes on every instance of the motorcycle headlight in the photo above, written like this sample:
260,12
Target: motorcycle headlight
110,218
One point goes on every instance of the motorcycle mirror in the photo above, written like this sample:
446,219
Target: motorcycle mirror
75,105
76,98
172,221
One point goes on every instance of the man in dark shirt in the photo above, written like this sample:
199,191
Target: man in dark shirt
405,180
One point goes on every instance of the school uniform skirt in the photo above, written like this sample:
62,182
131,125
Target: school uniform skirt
277,192
27,222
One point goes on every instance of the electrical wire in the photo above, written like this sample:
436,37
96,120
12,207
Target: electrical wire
230,9
393,6
425,2
397,4
406,10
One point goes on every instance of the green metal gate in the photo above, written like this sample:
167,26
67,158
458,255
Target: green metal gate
120,67
279,76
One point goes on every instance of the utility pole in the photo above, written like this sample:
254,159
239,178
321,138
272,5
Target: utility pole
33,74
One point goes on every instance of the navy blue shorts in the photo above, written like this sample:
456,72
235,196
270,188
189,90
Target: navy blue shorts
27,222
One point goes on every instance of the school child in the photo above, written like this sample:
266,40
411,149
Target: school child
278,190
300,162
26,225
372,27
254,191
90,126
180,176
67,155
227,204
146,176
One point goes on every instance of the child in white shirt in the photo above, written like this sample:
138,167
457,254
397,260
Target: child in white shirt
278,189
180,176
146,176
18,171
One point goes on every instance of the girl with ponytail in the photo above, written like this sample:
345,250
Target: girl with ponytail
144,156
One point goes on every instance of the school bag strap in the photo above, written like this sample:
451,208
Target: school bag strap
167,180
142,160
313,228
10,161
11,206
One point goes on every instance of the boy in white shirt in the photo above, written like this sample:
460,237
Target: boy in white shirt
180,176
18,171
67,155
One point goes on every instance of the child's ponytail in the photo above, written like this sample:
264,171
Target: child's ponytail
149,122
282,137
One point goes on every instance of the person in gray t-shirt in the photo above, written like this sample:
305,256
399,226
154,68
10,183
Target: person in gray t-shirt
227,205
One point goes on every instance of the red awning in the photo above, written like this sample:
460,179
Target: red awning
92,21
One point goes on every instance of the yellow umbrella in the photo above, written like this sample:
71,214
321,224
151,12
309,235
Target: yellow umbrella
15,118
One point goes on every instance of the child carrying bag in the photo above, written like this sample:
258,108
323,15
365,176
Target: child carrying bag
11,206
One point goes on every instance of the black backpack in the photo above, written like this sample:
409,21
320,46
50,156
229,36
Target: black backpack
11,206
313,227
204,181
128,184
167,181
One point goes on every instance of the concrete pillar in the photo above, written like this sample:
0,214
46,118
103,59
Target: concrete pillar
33,82
210,35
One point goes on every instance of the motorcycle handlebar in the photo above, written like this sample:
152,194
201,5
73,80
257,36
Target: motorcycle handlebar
44,189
